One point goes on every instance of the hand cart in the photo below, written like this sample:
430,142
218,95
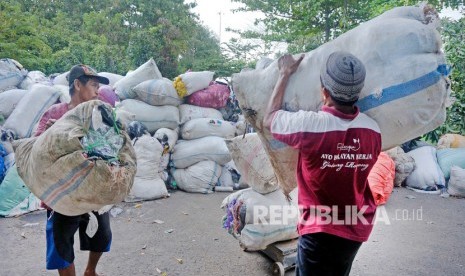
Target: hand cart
284,254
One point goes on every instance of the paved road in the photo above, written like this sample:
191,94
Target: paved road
420,236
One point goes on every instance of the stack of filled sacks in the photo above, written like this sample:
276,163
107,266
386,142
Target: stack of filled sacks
24,97
249,217
199,157
202,153
152,101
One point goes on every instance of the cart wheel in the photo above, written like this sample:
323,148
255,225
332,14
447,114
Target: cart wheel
278,269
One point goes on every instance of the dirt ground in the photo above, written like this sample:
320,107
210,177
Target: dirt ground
418,234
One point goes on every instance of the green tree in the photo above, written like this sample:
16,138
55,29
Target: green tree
454,45
305,25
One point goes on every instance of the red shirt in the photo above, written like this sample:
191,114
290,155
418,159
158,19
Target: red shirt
336,154
55,112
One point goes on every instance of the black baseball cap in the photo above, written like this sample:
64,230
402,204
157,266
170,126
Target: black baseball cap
84,70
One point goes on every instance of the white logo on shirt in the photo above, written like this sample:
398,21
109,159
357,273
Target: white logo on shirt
354,147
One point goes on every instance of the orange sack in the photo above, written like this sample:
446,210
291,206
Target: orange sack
381,178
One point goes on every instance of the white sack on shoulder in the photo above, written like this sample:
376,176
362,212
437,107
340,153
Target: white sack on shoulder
406,86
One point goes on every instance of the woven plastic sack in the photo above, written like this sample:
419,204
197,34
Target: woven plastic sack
157,92
188,152
406,87
427,172
456,185
200,177
12,74
202,127
450,157
215,96
147,184
9,100
56,171
113,78
381,178
189,112
449,141
256,233
253,163
30,109
153,117
405,164
147,71
107,94
190,82
167,137
61,79
32,78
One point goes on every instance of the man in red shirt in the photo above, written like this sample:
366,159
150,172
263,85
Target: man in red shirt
337,146
60,229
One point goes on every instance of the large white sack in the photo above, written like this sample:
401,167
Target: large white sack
34,77
225,179
146,71
9,100
456,185
406,87
167,137
253,163
64,93
259,232
61,79
405,164
30,109
157,92
189,112
147,182
202,127
427,172
153,117
201,177
188,152
190,82
12,74
113,78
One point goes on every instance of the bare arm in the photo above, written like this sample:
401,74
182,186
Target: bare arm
287,66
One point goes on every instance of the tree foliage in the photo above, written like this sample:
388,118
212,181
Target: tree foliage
304,25
111,35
